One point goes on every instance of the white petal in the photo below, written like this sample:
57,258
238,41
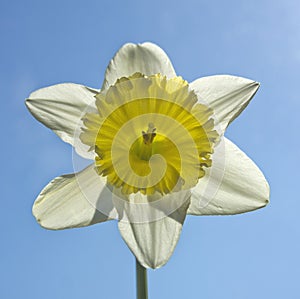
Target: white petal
146,58
70,201
227,95
154,242
60,107
241,188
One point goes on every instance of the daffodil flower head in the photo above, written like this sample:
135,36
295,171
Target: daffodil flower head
157,147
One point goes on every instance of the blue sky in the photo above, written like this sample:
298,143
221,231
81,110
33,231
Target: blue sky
254,255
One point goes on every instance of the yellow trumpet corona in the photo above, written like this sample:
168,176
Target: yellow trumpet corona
150,135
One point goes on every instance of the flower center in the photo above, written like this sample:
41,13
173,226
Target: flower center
143,147
150,135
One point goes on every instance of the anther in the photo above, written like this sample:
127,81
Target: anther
150,134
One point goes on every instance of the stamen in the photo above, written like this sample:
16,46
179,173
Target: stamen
149,136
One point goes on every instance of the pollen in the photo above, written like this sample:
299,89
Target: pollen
150,135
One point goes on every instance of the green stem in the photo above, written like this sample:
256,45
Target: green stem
141,281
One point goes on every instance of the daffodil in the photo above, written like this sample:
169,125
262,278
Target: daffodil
157,147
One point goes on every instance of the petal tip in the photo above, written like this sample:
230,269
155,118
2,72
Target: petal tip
36,215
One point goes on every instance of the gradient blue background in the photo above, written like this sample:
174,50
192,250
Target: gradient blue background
254,255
